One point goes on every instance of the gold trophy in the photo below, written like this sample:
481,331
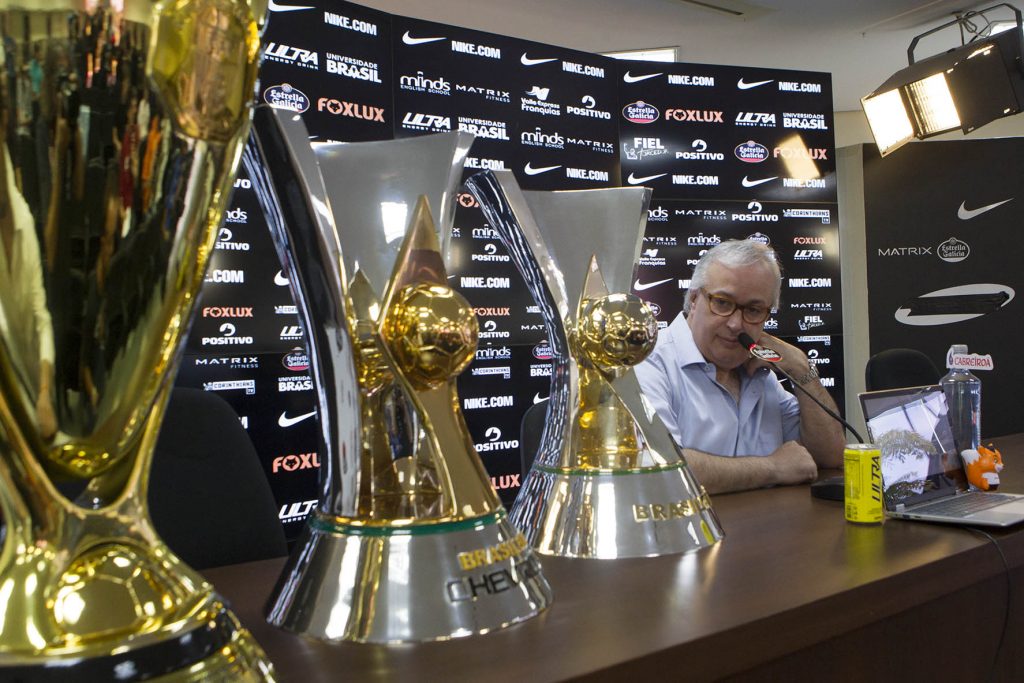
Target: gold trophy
608,481
409,541
122,128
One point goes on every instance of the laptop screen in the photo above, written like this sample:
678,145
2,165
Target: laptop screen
911,427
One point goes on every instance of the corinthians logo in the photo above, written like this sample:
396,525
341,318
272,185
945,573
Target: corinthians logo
953,250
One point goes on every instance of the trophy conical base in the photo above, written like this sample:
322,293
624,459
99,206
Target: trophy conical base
417,583
606,515
211,647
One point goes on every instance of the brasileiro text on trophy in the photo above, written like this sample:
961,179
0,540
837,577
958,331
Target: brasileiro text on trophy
608,480
409,541
123,123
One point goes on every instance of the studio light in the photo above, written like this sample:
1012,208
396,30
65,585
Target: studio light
963,88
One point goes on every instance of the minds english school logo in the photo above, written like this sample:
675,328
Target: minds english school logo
640,112
286,96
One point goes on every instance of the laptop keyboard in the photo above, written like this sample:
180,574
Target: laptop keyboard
965,504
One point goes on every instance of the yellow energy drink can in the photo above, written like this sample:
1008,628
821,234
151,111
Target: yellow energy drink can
862,469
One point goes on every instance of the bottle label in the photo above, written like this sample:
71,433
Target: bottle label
969,361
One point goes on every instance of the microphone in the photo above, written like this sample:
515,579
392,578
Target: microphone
772,356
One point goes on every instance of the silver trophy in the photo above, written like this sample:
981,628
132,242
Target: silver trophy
409,542
608,480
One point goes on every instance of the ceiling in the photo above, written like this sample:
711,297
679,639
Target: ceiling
860,42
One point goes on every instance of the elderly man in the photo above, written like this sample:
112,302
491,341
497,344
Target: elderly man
738,427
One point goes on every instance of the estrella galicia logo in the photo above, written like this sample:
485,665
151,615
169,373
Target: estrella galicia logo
640,112
296,360
953,250
751,152
543,351
286,96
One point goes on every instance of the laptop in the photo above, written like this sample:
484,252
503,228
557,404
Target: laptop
923,476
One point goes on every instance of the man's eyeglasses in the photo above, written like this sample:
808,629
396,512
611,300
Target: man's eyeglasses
754,314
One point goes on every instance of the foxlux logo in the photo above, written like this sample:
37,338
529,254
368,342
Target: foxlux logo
751,152
294,461
294,56
694,115
350,67
286,97
227,311
352,110
640,112
431,122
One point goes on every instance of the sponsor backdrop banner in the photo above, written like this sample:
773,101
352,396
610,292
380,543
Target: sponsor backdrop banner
730,153
943,263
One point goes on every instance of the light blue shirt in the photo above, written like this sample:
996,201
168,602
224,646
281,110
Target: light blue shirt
701,413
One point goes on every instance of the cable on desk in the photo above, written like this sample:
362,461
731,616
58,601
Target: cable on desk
1009,597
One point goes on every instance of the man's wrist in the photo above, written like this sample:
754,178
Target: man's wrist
809,376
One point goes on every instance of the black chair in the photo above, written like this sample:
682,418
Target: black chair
895,368
208,495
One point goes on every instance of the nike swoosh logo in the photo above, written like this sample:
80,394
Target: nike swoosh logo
274,7
530,170
965,214
280,280
638,286
285,421
633,180
409,40
754,183
742,85
526,61
636,79
537,398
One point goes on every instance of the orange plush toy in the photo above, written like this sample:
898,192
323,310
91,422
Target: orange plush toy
983,467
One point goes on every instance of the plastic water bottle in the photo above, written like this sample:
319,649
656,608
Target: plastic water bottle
963,395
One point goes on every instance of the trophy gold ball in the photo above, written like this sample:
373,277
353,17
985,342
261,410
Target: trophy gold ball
122,127
409,541
605,460
617,331
432,331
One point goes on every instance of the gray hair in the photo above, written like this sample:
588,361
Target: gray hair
735,254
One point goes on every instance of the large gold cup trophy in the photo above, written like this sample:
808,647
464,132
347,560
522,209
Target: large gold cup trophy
409,542
123,123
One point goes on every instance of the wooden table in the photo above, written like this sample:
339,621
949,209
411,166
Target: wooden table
792,593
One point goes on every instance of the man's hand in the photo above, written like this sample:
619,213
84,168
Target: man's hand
794,361
793,464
